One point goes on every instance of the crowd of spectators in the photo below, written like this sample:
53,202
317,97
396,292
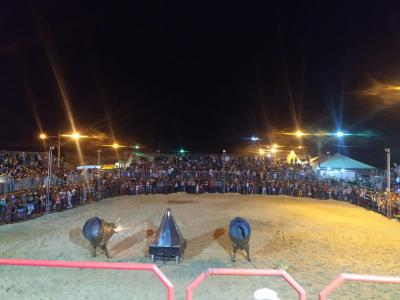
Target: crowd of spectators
22,164
194,174
16,165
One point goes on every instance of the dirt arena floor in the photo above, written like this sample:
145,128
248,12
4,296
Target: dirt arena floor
314,239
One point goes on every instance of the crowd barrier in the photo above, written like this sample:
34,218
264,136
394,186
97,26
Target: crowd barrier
93,265
323,294
334,284
96,190
8,185
244,272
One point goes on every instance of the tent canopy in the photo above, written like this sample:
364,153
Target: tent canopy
340,161
292,157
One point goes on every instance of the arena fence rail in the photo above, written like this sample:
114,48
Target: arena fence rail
93,265
244,272
334,284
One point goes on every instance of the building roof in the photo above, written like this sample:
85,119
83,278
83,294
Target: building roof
340,161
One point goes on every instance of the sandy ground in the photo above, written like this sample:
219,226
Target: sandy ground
315,239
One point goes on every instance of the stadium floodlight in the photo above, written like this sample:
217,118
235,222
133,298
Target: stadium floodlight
116,146
182,151
76,136
299,133
254,139
339,134
42,136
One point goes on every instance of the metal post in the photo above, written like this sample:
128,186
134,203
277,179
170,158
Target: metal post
99,157
389,199
319,146
59,148
48,183
223,168
223,159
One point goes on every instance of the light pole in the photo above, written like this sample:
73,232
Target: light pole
223,159
59,148
44,137
389,206
223,167
48,182
99,157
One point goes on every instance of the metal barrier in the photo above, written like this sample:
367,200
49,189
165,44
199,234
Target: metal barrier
93,265
334,284
9,185
245,272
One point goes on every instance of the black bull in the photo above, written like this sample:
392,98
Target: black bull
239,233
98,232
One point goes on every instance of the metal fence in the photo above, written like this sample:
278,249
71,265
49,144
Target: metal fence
11,185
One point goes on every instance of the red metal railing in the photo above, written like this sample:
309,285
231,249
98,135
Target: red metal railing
93,265
245,272
334,284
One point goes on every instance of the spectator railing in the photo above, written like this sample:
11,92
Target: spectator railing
11,185
323,295
245,272
93,265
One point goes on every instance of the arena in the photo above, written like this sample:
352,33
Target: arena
314,240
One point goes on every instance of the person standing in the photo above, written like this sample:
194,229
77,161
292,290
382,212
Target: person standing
69,198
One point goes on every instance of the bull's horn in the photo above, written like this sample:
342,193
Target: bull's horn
116,220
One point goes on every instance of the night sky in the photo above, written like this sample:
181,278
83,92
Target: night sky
202,75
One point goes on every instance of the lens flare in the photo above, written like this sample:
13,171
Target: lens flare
59,78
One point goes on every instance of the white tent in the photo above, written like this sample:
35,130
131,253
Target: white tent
342,167
340,161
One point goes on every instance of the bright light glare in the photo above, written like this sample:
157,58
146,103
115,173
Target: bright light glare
182,151
275,146
254,139
261,151
137,147
300,147
299,133
268,155
339,134
76,135
273,150
115,146
42,136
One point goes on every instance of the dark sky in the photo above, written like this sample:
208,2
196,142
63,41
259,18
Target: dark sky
202,75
